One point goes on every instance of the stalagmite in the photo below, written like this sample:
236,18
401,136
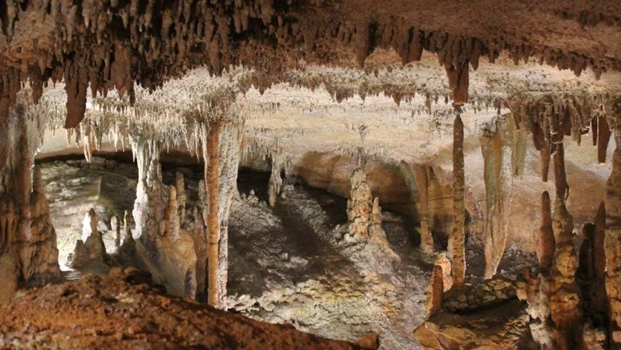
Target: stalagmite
90,247
149,207
457,239
28,253
275,182
128,239
365,217
421,174
435,290
563,290
181,196
359,205
545,241
613,240
172,215
598,308
115,225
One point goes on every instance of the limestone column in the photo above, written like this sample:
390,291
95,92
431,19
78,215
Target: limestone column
457,238
216,272
222,162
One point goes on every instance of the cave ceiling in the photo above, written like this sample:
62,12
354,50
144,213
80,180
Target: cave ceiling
306,75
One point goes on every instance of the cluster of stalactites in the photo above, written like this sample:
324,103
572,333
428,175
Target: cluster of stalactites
174,125
552,117
113,45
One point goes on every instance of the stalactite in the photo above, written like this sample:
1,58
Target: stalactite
458,76
497,149
457,239
603,138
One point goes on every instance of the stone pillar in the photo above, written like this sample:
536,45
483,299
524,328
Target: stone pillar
223,142
216,272
457,242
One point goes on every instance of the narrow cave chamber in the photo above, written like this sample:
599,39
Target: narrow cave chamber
310,174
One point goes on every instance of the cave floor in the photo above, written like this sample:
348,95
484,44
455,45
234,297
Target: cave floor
288,264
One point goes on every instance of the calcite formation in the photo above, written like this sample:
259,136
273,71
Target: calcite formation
90,247
365,217
457,240
115,63
422,176
276,180
497,148
27,237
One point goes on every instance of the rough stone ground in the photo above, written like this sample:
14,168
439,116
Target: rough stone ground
120,312
322,285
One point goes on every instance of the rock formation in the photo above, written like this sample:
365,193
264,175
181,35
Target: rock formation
28,253
115,225
90,247
275,178
497,148
545,241
422,175
221,162
457,240
299,82
365,216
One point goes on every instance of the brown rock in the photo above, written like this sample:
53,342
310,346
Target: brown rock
457,238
